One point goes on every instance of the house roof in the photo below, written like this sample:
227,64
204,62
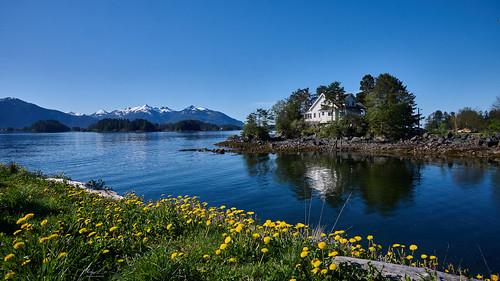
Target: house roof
315,102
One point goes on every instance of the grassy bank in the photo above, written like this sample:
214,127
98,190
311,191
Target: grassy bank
54,231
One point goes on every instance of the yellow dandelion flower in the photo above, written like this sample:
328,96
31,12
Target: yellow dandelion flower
324,271
413,247
232,260
173,255
372,249
113,228
169,226
369,237
264,250
396,245
227,240
223,246
25,262
82,231
358,238
17,232
46,260
494,277
99,224
9,275
44,222
293,279
423,256
432,257
316,262
217,252
120,261
62,255
479,276
322,245
315,270
206,256
332,267
255,236
8,257
333,254
18,245
409,257
105,251
304,254
267,239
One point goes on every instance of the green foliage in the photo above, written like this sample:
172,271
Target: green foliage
256,126
471,119
48,126
123,125
195,125
141,125
390,108
289,113
366,85
348,126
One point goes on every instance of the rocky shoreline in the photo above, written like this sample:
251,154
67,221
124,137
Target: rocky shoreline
460,145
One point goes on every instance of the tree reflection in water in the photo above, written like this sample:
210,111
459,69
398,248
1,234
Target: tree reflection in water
382,182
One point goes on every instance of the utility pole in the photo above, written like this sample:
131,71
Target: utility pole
418,114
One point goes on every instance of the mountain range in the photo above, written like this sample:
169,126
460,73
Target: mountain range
16,113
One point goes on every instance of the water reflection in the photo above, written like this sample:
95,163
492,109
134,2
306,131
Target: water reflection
382,182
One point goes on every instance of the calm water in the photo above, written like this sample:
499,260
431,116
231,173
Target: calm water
452,208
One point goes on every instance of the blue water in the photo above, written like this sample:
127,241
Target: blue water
448,208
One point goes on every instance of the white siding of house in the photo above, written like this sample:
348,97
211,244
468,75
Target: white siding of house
316,114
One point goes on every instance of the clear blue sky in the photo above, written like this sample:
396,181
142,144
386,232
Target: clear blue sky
235,56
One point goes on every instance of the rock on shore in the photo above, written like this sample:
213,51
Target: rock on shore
461,145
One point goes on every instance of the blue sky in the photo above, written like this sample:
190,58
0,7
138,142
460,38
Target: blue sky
235,56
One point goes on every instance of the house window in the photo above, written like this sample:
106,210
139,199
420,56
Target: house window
323,113
329,113
314,115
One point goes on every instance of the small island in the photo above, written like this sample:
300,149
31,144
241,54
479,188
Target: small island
382,118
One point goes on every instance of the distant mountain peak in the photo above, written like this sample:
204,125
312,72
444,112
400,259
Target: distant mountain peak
75,113
11,99
101,112
199,108
17,113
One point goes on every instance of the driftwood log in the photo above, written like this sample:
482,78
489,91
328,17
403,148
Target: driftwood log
399,272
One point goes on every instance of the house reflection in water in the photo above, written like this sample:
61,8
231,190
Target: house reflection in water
381,182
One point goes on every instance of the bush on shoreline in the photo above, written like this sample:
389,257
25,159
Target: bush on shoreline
59,232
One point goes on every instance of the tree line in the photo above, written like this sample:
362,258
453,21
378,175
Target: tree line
389,105
125,125
141,125
467,119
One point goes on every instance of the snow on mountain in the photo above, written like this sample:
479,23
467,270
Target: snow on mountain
75,113
101,112
166,115
199,108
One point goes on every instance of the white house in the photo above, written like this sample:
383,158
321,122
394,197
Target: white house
321,112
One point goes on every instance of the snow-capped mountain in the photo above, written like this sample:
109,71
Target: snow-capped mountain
17,113
167,115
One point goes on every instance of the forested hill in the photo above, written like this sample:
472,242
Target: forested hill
142,125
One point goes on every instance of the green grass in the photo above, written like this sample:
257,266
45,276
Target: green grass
75,235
